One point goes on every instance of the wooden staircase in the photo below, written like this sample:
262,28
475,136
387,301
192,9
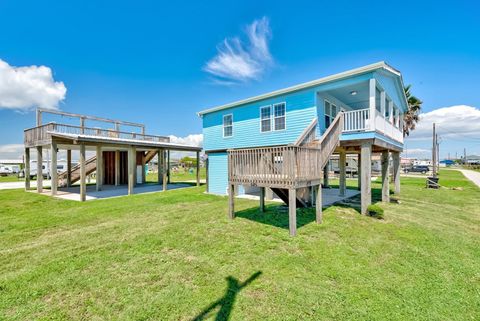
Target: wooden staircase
90,167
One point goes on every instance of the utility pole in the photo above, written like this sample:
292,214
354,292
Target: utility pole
434,153
464,156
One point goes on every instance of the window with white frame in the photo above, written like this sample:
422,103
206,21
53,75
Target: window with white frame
279,116
228,125
265,119
331,111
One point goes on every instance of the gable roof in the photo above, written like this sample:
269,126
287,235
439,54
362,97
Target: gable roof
349,73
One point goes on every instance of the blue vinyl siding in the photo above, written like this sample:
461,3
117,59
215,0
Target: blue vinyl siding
391,87
217,173
300,110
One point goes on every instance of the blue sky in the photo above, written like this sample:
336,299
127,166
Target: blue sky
147,61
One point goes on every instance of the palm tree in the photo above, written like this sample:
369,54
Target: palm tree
410,118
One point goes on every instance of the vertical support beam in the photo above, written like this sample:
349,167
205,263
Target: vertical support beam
396,171
198,168
385,177
164,171
268,194
292,211
39,169
83,174
159,166
39,118
27,168
262,199
231,201
53,169
372,101
343,173
383,99
318,205
325,174
99,165
359,171
168,166
144,164
366,172
69,167
132,161
82,125
117,168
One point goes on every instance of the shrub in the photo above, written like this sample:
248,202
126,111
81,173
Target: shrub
375,211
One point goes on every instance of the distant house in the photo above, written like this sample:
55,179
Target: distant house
283,139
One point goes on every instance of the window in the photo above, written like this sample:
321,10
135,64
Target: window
279,116
228,125
331,112
265,119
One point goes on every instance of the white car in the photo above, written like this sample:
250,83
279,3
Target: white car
4,171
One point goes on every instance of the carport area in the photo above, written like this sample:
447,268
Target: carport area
108,191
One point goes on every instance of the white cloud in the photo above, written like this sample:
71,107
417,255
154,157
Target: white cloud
11,151
24,88
452,123
237,61
192,140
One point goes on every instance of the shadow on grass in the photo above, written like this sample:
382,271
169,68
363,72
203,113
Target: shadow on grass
225,303
277,215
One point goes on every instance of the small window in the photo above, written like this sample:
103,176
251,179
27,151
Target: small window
59,166
265,119
279,113
228,125
330,113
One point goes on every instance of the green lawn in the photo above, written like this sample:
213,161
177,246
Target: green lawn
175,256
180,176
10,178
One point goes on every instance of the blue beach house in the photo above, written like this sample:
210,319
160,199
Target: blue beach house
280,142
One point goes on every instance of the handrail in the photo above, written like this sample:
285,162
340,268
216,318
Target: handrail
356,120
307,132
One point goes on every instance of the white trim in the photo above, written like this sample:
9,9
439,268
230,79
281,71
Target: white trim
223,125
284,116
372,101
345,74
263,107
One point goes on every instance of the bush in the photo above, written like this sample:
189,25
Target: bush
375,211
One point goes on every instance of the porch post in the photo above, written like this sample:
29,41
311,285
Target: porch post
198,168
69,167
396,171
99,165
325,174
268,194
159,166
117,168
53,169
132,161
168,166
27,168
318,205
292,211
39,169
164,171
83,174
231,201
372,90
385,177
262,199
343,173
366,172
359,171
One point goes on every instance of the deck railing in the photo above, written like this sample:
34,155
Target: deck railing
356,120
41,135
282,166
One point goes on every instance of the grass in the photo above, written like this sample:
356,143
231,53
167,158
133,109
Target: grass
10,178
175,256
180,176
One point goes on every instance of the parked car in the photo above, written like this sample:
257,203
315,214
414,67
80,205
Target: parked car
4,171
417,169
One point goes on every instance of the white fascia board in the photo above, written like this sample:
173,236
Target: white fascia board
345,74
